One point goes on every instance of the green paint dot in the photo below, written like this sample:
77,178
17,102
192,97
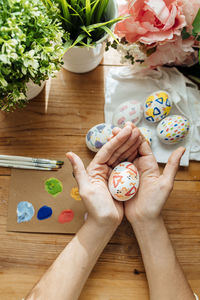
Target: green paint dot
53,186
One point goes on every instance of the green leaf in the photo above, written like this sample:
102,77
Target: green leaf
196,23
88,10
106,29
79,39
185,35
101,9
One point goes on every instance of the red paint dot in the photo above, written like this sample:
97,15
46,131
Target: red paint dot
66,216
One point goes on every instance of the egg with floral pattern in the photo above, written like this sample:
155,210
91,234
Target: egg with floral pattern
173,129
123,182
146,132
131,111
98,136
157,106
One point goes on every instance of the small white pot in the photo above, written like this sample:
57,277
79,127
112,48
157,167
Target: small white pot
33,89
83,59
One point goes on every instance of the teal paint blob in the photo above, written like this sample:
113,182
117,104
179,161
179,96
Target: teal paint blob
44,212
25,211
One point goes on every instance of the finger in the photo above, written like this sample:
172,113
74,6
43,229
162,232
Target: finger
126,146
115,131
78,168
145,149
110,147
133,149
172,166
133,156
130,124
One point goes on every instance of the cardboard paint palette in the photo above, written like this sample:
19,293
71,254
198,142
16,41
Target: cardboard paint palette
68,211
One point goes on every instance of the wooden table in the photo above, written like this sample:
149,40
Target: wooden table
51,124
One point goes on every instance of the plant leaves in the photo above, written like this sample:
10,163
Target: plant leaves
196,23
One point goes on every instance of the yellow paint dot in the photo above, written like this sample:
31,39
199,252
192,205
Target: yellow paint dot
75,194
168,134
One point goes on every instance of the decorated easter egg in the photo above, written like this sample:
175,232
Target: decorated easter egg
146,133
157,106
131,111
173,129
98,135
123,182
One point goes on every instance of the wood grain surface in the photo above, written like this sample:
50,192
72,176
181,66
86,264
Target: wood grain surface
51,124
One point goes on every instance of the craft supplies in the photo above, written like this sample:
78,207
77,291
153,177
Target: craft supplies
98,135
157,106
21,162
146,133
124,181
131,111
173,129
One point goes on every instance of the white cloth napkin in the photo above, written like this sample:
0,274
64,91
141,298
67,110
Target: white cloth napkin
122,84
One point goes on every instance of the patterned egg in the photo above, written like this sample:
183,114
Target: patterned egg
173,129
98,135
128,111
157,106
146,133
123,182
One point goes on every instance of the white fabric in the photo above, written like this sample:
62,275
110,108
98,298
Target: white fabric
197,298
121,85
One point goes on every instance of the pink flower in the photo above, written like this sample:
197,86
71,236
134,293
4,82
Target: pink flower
190,10
151,21
178,52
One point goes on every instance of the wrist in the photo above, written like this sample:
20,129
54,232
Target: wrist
145,223
102,226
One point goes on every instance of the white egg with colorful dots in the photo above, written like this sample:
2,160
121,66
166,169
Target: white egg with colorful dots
131,111
146,132
98,136
123,182
173,129
157,106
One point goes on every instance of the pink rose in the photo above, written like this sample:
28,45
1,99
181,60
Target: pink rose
151,21
190,10
178,52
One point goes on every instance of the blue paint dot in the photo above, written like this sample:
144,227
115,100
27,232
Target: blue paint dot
161,131
101,127
90,133
25,211
112,126
44,212
98,144
166,139
177,135
175,125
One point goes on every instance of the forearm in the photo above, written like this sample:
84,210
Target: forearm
165,277
66,277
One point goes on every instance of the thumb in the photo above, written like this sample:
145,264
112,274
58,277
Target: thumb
78,168
172,166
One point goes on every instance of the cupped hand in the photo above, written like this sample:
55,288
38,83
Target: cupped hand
154,187
93,181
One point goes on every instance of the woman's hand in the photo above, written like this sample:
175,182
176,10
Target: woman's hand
154,187
93,182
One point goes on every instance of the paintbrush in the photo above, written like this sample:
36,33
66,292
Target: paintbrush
28,167
30,159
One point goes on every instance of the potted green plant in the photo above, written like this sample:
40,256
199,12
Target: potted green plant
31,48
88,23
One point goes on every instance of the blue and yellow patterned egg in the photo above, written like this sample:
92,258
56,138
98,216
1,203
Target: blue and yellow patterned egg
157,106
98,136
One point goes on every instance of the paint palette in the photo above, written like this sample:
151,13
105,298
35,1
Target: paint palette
45,202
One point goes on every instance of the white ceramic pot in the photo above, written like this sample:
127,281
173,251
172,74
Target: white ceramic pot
33,89
83,59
